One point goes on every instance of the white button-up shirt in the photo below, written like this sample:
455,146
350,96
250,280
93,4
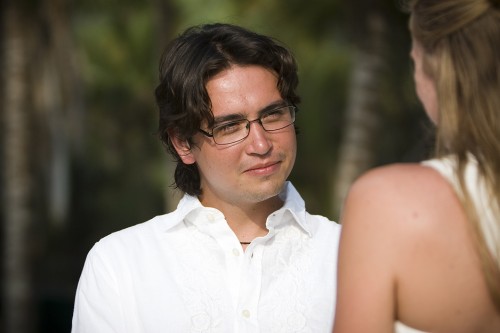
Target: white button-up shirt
187,272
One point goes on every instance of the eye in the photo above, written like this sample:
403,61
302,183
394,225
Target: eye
229,128
275,114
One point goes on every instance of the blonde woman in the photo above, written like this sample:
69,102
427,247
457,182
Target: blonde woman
420,245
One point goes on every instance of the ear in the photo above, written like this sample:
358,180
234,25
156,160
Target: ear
183,148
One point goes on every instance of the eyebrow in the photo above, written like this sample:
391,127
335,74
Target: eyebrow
239,116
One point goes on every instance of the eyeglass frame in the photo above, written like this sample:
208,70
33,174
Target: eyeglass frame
291,108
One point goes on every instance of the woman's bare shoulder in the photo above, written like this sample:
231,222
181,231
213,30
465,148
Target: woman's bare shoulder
411,215
409,191
384,216
399,177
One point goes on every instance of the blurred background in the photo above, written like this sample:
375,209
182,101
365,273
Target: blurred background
80,157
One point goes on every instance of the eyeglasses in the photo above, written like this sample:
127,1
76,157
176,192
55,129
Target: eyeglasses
238,130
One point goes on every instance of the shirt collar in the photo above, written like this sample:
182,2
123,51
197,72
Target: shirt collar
293,207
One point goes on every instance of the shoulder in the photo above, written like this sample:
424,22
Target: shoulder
324,236
135,246
397,178
121,241
405,227
403,205
322,225
401,191
137,236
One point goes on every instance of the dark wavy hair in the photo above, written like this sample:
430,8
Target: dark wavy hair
190,61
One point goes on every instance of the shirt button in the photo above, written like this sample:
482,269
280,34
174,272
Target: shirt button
236,252
245,313
210,217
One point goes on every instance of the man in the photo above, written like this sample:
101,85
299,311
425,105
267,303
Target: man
240,253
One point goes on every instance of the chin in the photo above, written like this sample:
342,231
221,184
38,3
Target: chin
268,191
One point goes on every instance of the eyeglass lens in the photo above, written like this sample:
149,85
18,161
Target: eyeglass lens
271,120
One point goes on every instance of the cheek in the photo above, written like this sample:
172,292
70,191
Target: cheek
430,101
426,93
288,147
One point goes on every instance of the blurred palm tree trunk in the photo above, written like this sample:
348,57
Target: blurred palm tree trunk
17,288
60,101
356,153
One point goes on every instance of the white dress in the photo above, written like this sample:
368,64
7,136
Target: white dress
485,206
402,328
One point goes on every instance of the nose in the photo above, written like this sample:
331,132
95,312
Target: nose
258,141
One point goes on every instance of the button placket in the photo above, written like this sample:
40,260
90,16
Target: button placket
250,289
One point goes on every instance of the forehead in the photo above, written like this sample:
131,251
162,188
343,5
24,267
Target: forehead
242,90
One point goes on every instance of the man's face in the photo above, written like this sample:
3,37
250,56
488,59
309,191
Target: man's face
255,169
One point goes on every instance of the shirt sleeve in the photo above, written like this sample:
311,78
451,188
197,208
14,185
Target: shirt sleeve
97,303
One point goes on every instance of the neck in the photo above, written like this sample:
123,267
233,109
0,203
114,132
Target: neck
248,221
247,231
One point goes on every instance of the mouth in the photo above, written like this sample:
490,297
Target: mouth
264,168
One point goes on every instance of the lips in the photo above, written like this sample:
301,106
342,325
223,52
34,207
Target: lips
264,168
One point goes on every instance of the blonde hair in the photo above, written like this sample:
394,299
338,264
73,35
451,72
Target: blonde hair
461,43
